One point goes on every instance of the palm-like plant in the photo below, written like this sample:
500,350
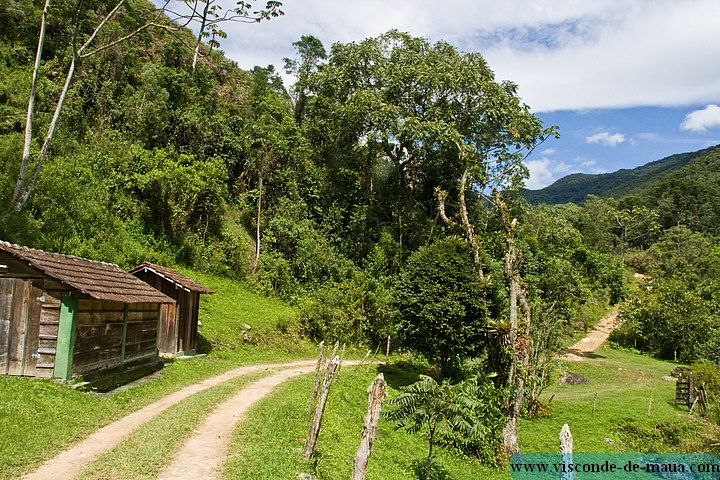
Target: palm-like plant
443,407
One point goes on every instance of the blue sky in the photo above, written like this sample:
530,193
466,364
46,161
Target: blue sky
627,81
606,140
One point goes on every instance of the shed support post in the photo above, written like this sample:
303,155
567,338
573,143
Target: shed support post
66,338
124,335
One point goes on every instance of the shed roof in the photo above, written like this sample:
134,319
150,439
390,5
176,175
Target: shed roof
98,280
173,276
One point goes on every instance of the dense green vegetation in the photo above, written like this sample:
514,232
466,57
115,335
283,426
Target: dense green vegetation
377,197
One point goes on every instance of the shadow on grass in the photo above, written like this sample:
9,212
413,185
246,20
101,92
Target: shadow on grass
203,345
401,374
437,471
580,353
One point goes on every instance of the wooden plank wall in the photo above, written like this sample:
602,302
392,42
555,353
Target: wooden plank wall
168,333
142,331
48,327
98,335
189,321
98,343
168,330
27,315
7,287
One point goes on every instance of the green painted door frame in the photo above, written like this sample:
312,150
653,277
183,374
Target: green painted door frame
65,346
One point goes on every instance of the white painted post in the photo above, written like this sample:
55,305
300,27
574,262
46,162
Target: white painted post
566,442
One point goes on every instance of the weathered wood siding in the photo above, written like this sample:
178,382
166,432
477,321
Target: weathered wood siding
168,329
101,326
178,322
28,326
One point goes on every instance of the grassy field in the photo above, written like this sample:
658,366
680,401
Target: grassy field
612,412
608,414
267,449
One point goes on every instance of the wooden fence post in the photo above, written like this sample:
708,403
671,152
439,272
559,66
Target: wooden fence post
357,365
387,349
342,357
316,382
566,451
376,394
314,432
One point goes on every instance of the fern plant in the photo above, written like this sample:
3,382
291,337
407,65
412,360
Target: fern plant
443,408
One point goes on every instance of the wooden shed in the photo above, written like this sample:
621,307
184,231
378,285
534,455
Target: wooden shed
64,316
179,321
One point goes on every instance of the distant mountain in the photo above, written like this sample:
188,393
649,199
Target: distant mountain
576,187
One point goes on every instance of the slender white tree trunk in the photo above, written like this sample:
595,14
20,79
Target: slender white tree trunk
31,108
258,219
200,35
23,198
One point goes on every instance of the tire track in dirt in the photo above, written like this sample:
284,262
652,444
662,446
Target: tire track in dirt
203,454
69,463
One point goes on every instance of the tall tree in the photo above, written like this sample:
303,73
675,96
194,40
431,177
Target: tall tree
310,51
272,138
434,114
449,129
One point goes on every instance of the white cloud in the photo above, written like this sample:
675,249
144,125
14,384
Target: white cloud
605,138
563,54
701,120
544,171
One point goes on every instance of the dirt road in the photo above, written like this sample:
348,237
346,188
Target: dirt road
69,463
202,455
581,350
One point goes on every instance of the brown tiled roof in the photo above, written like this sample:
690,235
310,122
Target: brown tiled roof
99,280
173,276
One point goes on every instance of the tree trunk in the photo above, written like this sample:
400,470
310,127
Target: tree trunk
515,378
20,201
468,227
31,109
428,465
23,189
200,35
258,219
376,394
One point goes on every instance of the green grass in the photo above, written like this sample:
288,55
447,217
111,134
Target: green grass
621,385
223,313
40,418
264,448
147,450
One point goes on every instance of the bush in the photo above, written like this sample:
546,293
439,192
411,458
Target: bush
358,310
442,304
652,438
